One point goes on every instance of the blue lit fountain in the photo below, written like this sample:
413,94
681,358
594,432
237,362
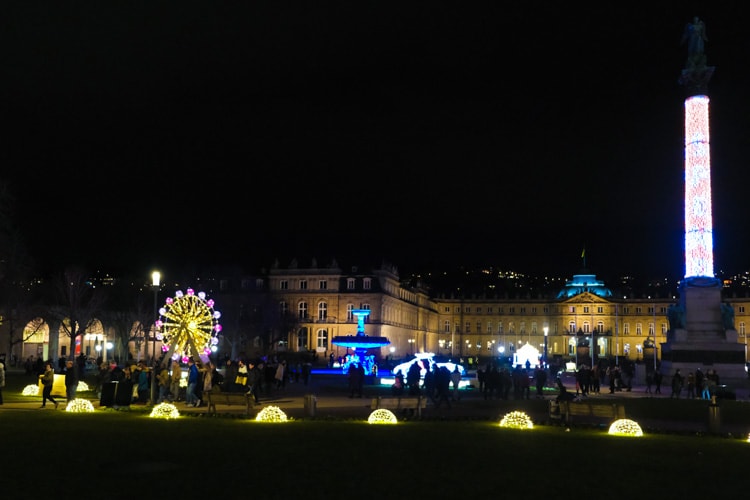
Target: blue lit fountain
360,343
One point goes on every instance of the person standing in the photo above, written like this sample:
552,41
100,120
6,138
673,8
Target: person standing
71,381
48,379
442,386
456,381
306,371
142,381
540,379
208,372
281,375
677,382
691,385
356,379
174,381
2,381
163,380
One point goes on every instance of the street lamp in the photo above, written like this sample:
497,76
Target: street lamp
155,280
546,331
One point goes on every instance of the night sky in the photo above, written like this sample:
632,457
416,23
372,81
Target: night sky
190,134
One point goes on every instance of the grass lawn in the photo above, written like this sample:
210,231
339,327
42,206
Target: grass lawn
125,454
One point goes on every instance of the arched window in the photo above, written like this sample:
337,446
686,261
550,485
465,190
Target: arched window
322,311
322,339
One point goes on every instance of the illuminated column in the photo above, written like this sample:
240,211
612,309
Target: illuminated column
699,260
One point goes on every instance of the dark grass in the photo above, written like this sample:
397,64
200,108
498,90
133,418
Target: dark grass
125,454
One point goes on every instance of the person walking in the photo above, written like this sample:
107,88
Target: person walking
254,376
657,381
48,379
192,381
71,381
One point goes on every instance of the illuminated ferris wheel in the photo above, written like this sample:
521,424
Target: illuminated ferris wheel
189,326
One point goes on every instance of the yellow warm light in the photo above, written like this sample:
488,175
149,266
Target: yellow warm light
625,427
31,390
271,414
382,416
79,406
164,410
517,420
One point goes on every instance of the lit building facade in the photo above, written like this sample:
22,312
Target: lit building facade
584,322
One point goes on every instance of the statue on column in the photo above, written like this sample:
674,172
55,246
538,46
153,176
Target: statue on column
695,37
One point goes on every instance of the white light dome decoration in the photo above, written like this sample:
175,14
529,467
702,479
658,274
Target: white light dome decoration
625,427
272,414
517,420
164,410
79,405
382,416
30,390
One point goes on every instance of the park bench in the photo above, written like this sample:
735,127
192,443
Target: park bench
217,396
564,411
408,403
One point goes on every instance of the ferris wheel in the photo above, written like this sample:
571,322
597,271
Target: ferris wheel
189,326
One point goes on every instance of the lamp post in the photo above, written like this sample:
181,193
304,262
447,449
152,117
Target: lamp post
546,331
155,280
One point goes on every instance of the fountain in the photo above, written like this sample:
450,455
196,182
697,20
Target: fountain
360,343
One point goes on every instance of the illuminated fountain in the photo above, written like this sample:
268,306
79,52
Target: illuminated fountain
360,343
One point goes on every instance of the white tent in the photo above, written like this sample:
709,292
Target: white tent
526,352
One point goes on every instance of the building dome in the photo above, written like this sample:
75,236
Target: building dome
584,283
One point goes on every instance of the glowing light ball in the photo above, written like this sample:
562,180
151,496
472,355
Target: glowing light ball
79,406
164,410
748,438
83,386
382,416
271,414
517,420
31,390
625,427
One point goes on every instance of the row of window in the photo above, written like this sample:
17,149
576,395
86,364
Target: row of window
323,284
572,327
545,310
322,314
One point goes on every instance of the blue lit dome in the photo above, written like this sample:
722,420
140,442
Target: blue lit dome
584,283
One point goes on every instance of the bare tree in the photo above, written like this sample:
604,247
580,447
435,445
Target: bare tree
77,303
16,289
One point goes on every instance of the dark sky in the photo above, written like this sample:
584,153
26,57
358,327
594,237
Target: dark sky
188,134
